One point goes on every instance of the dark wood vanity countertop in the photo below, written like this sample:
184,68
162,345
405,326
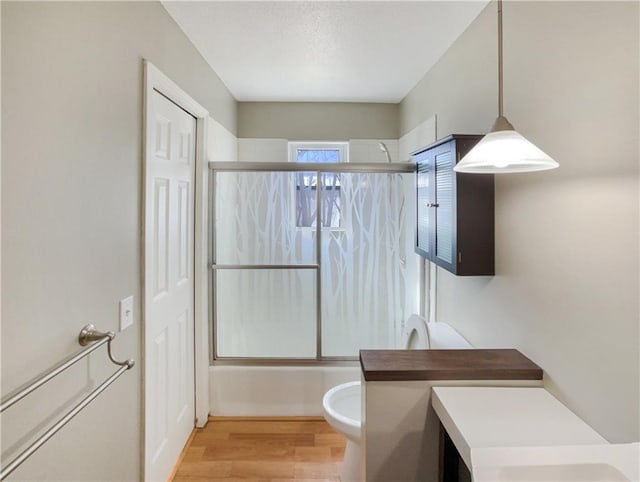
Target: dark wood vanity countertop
473,364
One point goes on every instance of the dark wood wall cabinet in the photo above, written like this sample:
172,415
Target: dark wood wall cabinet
455,211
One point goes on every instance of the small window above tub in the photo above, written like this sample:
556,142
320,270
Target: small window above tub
306,183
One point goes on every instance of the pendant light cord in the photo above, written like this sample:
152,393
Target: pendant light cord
501,150
501,123
500,110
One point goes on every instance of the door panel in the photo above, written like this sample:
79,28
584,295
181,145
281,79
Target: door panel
157,420
183,234
160,235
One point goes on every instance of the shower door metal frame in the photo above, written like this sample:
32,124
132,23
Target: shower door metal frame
318,168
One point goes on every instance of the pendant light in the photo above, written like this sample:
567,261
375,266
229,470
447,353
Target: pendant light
503,149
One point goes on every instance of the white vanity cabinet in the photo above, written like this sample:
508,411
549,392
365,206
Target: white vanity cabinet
521,434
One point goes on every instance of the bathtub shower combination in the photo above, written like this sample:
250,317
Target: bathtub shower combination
311,261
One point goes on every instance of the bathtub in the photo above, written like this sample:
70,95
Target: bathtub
271,391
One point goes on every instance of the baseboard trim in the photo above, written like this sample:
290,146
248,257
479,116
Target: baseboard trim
215,418
174,471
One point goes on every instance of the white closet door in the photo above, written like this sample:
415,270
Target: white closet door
169,285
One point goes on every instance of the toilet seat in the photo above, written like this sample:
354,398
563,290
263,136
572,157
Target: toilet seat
416,335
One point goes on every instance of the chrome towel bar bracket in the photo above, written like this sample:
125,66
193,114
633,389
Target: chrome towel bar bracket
90,338
89,334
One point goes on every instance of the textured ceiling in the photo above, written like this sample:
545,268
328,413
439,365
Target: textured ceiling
348,51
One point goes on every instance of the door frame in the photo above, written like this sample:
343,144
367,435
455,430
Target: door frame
155,80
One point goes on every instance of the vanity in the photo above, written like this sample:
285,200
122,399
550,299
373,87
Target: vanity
524,434
401,432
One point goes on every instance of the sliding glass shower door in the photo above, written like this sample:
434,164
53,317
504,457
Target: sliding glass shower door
280,290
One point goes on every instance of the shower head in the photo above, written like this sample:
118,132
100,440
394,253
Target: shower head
383,148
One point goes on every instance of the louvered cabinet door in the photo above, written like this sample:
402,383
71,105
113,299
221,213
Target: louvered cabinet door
425,198
455,222
445,206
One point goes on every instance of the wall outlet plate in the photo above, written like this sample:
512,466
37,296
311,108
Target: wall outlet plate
126,312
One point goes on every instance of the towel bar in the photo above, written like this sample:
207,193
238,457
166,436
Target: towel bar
92,339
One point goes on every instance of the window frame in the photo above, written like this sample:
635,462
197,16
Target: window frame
342,146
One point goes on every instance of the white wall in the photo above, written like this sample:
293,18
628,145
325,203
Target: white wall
71,215
223,144
566,286
368,150
277,150
420,136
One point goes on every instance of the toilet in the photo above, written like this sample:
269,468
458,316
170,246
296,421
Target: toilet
342,404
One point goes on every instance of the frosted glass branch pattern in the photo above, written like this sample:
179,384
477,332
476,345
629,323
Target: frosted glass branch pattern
270,218
256,219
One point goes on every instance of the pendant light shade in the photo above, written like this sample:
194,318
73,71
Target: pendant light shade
504,150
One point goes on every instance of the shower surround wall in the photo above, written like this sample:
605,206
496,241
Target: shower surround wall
566,286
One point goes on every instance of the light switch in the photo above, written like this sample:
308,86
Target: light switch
126,312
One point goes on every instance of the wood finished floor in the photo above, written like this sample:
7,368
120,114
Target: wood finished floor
263,450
